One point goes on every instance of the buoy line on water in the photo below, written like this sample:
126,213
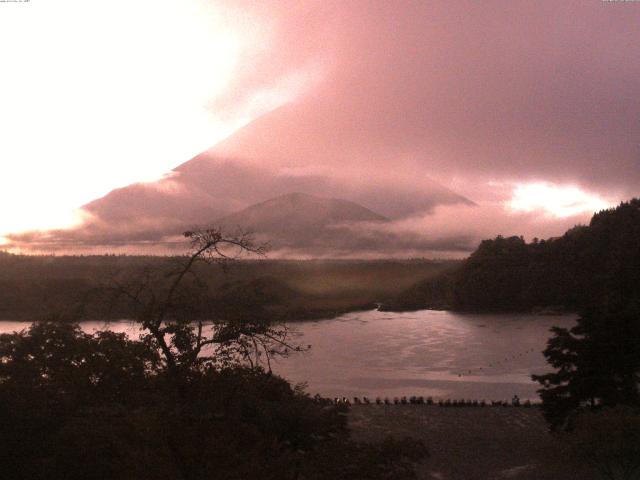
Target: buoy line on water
470,372
421,400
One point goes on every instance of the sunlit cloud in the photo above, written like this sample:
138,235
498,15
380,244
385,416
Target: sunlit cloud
98,95
556,200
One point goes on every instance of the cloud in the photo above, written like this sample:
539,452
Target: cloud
202,191
454,230
524,91
556,200
446,231
407,107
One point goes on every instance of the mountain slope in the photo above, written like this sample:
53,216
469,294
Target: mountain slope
248,167
299,220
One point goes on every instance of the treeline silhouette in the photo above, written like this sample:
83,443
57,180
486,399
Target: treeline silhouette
102,406
566,273
37,286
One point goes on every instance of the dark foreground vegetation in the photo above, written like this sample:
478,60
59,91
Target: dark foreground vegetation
467,443
187,400
35,286
592,399
78,406
555,275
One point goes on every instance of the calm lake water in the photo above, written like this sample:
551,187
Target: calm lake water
429,353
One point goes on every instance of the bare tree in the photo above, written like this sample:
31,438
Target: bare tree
174,307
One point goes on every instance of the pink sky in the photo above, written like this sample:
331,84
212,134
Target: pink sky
527,108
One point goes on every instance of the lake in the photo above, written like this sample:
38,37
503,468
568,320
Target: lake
430,353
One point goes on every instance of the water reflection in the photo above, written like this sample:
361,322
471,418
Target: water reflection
435,353
429,353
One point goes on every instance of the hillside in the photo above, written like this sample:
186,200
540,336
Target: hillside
587,264
298,220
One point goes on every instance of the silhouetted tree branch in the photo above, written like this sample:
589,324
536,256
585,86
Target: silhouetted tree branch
175,309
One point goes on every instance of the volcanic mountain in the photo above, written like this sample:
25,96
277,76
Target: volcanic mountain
299,220
230,182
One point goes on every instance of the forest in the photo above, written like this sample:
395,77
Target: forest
555,275
37,286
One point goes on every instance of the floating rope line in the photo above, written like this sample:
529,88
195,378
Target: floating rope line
421,400
497,364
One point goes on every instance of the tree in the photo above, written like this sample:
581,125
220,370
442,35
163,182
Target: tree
53,375
493,276
176,310
597,364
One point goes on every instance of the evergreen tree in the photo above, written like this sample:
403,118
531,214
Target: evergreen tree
597,364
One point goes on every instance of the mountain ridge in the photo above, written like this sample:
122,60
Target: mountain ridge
232,176
298,220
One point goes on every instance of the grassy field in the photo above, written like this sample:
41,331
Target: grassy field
474,443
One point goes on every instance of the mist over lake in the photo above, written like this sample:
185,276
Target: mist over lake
431,353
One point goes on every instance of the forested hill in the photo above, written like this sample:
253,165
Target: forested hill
37,287
594,263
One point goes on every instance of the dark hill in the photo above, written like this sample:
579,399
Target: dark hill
298,220
588,264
